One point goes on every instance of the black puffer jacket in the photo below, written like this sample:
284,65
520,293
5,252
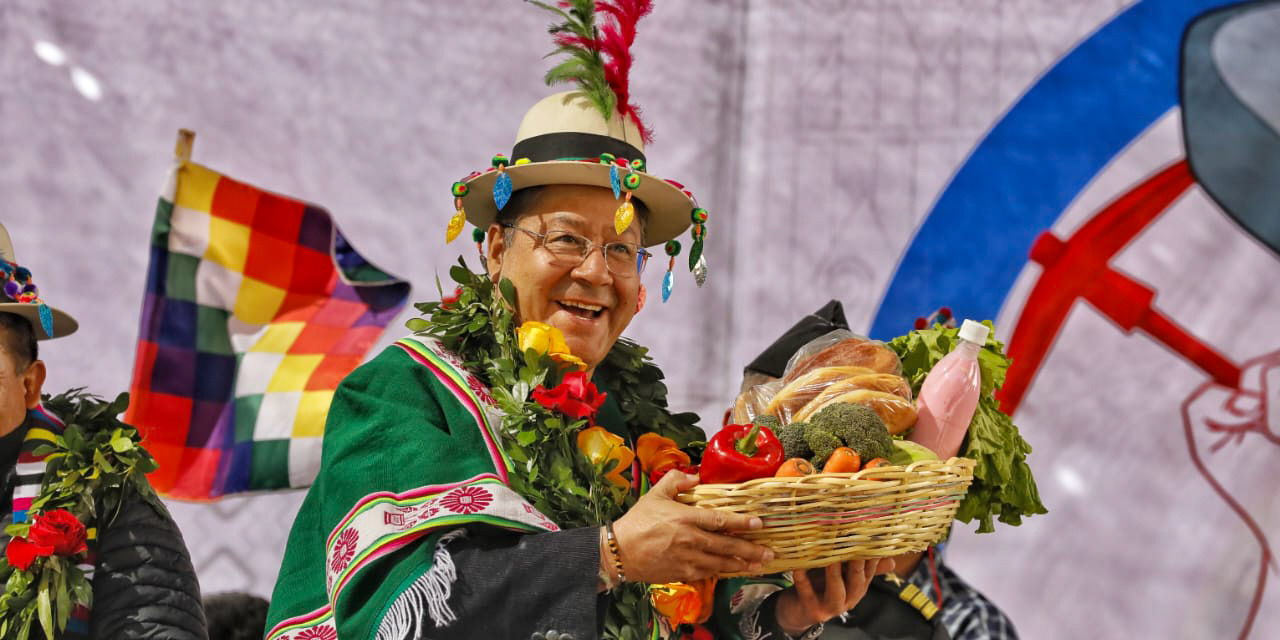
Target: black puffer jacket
144,586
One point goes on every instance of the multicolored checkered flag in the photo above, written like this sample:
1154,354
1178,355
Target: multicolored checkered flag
256,308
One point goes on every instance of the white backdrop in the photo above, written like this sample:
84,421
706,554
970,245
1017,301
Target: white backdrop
818,133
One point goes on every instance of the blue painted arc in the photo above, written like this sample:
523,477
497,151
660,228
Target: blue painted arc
1035,161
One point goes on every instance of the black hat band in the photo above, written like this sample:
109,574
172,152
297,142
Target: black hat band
572,144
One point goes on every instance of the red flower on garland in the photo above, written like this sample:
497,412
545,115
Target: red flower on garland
576,396
448,301
466,500
57,532
699,633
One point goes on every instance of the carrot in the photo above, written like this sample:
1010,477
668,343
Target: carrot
842,460
877,462
794,468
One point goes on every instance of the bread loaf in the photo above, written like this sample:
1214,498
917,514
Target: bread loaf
851,352
800,391
897,413
886,382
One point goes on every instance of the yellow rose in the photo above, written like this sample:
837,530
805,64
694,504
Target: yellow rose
570,359
600,446
544,338
537,336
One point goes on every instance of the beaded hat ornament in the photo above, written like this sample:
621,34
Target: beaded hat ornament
590,136
19,295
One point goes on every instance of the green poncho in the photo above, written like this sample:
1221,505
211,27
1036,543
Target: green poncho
410,451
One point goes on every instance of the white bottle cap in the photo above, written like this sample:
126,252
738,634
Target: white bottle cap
974,332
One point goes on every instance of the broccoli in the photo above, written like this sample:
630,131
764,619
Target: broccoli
858,427
792,438
821,441
766,420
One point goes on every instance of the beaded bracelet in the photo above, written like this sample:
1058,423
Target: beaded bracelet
617,555
607,580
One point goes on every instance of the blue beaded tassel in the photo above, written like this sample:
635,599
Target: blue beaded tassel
502,186
669,280
46,319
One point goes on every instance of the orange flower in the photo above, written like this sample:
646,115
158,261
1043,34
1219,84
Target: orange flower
657,453
600,446
544,338
682,603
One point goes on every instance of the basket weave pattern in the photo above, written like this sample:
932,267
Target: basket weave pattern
821,519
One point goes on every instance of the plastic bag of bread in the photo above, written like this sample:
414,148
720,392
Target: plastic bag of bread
842,348
799,392
844,367
897,413
752,402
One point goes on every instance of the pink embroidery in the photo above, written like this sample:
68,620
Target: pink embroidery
325,632
466,500
393,519
480,390
543,520
429,510
344,549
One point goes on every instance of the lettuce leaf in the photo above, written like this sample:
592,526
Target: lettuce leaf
1003,486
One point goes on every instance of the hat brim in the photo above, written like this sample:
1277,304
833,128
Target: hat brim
63,324
669,206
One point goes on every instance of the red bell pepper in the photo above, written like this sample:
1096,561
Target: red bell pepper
741,452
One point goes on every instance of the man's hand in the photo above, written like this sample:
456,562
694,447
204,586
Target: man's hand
822,594
662,540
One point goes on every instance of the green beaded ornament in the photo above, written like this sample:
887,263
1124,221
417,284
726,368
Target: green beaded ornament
477,234
460,190
695,251
699,215
500,161
607,158
637,164
631,182
673,248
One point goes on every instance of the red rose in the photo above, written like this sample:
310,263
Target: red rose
21,553
576,396
699,633
448,301
60,530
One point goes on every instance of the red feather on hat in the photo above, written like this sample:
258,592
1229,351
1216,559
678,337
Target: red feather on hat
604,82
616,39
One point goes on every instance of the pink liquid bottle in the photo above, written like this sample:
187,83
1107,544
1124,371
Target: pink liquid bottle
949,395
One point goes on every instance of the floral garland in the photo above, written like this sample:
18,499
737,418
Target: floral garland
88,469
575,473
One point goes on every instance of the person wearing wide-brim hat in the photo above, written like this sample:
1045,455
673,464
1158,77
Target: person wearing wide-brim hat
133,556
480,478
20,296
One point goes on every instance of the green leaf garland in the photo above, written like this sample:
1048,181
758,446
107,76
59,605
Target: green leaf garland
550,472
87,472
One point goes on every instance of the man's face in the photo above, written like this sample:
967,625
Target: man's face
588,303
19,387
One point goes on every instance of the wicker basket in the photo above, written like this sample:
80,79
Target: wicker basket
821,519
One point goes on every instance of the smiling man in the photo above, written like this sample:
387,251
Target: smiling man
447,506
588,290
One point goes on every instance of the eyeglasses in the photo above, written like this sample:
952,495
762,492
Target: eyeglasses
623,259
